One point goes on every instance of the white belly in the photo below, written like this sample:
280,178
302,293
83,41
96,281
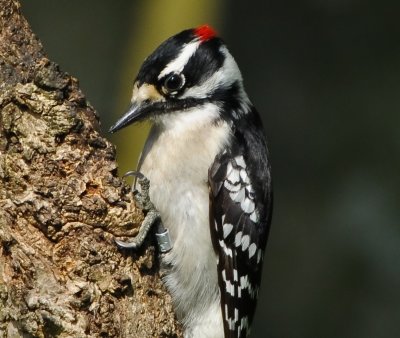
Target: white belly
176,161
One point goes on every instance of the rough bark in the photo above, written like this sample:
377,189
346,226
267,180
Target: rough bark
61,204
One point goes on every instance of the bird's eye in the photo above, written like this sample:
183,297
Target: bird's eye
174,82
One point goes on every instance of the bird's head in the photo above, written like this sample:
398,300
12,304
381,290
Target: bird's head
190,70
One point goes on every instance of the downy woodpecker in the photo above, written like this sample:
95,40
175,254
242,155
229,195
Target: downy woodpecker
207,162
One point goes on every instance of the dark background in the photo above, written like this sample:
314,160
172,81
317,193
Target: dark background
325,74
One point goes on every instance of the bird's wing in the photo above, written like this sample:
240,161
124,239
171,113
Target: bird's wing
239,228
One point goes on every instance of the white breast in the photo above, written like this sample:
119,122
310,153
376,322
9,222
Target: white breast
176,158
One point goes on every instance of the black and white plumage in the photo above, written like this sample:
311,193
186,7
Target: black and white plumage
207,161
240,214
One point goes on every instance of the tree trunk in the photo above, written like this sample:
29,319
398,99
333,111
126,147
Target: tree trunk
61,204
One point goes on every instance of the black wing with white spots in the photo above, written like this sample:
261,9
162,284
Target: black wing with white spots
240,214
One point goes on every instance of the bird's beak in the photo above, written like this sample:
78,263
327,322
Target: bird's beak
133,114
144,101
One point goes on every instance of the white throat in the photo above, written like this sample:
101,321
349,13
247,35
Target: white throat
177,156
191,119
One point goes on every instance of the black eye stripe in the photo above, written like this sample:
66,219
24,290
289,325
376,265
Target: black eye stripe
204,62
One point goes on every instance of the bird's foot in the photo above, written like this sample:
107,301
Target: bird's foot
152,217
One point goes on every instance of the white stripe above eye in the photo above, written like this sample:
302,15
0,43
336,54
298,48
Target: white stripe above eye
223,77
177,64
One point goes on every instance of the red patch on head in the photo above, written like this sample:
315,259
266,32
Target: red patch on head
205,32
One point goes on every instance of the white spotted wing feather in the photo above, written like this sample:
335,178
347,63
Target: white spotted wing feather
240,227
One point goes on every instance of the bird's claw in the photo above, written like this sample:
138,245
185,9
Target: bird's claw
142,199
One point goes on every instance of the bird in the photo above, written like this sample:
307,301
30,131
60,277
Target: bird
205,174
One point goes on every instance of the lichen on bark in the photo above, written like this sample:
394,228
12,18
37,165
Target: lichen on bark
61,204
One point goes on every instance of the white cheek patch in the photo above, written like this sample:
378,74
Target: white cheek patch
177,65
